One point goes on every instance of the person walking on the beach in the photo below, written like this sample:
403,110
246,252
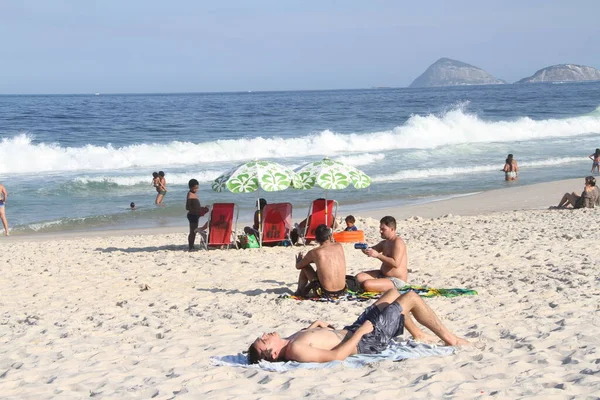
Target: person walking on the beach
195,211
371,333
161,188
329,279
3,198
511,169
595,161
392,253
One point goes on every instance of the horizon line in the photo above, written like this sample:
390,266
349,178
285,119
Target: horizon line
284,90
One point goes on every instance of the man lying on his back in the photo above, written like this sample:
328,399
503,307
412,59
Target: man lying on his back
369,334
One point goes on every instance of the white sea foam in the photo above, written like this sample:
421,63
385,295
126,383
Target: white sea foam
40,226
453,171
134,180
361,159
20,155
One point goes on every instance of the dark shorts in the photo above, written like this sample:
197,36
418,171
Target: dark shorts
387,324
321,292
324,293
193,218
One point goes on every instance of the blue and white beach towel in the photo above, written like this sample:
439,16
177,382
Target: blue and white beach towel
396,351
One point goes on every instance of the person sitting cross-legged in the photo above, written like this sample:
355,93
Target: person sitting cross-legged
371,333
329,278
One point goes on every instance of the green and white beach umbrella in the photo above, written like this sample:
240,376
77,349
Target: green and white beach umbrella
330,175
249,177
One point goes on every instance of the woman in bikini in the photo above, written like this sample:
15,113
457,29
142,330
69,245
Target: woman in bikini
595,161
511,169
195,211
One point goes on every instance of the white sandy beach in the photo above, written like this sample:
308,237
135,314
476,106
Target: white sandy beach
134,315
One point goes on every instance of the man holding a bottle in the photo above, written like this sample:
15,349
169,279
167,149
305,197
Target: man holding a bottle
391,251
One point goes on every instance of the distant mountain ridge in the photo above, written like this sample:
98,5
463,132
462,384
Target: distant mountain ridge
563,73
448,72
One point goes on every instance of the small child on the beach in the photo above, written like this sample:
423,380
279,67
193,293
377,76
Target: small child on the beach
350,220
595,161
132,205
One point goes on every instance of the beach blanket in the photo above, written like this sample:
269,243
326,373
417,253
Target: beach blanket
396,351
422,291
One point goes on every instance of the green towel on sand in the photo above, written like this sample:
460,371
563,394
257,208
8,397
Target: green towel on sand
422,291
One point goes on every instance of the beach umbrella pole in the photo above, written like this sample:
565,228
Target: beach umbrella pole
326,210
259,219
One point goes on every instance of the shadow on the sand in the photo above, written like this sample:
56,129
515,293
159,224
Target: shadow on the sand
253,292
149,249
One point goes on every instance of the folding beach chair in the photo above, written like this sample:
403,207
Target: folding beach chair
316,216
276,222
222,224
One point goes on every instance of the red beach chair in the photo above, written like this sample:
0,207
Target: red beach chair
222,224
276,222
316,216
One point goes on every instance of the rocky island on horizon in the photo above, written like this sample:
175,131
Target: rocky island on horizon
448,72
563,73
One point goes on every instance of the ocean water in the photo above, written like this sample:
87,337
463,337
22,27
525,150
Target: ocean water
75,162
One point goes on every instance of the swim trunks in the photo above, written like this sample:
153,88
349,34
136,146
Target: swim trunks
510,174
387,324
398,283
1,203
193,218
323,293
163,192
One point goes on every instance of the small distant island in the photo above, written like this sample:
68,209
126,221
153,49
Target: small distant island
564,73
448,72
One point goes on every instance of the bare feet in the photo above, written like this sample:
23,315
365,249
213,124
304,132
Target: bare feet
460,342
426,338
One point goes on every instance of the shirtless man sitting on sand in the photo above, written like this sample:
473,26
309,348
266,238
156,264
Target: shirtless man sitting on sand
392,253
329,279
321,342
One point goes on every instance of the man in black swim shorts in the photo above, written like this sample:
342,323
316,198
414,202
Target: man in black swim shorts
328,277
369,334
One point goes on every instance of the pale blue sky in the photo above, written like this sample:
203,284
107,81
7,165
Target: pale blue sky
125,46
